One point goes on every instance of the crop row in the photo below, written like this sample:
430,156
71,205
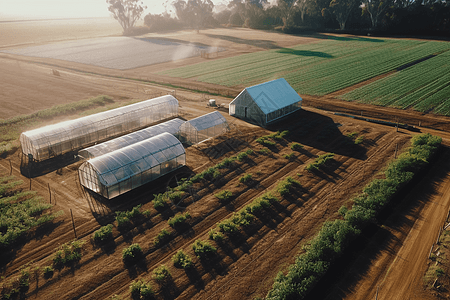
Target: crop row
334,236
424,87
318,68
20,211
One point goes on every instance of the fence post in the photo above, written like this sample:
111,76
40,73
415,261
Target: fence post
49,192
73,224
10,165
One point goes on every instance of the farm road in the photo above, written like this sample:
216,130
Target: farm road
398,268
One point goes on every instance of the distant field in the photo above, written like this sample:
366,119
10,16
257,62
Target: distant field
423,87
115,52
327,66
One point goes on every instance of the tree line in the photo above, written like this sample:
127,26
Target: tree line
388,16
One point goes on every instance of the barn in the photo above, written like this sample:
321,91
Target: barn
122,170
266,102
202,128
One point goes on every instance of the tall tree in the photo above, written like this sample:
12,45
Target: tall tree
194,13
341,9
127,12
376,10
288,9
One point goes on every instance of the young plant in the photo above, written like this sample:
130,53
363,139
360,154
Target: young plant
246,178
296,147
132,253
160,201
162,237
203,249
161,274
224,195
179,220
264,151
48,271
290,156
103,234
182,260
140,289
215,235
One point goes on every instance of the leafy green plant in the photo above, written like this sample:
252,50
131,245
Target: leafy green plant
140,289
20,211
228,162
179,220
320,161
264,151
215,235
160,201
224,195
122,219
290,156
161,274
284,187
48,271
246,178
228,226
103,234
132,253
296,147
68,253
203,249
163,237
182,260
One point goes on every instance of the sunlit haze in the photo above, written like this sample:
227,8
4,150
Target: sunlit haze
56,9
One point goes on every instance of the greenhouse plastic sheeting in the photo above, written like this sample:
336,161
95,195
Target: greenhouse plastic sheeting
204,127
120,171
172,126
53,140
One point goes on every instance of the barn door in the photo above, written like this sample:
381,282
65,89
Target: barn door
245,112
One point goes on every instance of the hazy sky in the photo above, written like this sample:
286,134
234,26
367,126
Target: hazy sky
39,9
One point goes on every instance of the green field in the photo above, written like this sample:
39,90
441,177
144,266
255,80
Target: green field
424,87
330,65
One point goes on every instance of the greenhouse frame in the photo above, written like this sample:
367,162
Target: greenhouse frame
202,128
266,102
172,127
57,139
120,171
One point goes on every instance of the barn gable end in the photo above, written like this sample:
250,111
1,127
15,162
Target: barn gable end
266,102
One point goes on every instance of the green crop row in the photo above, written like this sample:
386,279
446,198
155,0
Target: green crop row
424,87
317,68
334,236
20,211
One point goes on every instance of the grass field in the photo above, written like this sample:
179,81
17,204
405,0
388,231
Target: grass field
424,87
333,64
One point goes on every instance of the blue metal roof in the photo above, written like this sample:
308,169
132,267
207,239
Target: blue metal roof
273,95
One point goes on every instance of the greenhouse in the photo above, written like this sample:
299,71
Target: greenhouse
120,171
204,127
172,126
57,139
266,102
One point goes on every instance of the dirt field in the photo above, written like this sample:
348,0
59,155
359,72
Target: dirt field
245,266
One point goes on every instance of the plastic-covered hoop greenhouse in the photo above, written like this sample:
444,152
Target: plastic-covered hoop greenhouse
204,127
120,171
172,126
54,140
